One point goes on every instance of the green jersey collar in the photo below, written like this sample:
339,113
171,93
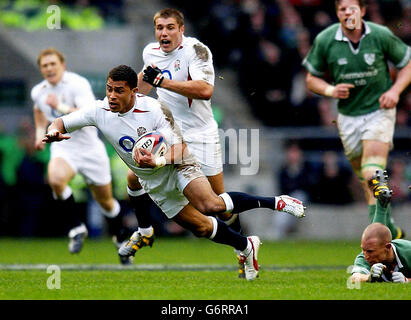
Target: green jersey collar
339,36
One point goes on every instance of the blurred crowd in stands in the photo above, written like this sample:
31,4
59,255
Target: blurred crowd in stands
33,15
266,40
27,207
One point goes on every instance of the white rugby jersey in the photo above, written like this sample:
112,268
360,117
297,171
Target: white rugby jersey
74,91
192,60
122,130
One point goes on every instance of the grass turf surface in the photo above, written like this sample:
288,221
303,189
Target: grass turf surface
290,270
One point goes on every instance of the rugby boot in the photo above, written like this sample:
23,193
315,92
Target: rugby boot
136,242
379,187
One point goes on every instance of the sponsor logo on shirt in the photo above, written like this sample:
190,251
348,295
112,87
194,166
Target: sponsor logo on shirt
141,131
369,58
342,61
176,65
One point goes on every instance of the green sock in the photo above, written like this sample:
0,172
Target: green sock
380,214
371,212
390,223
383,215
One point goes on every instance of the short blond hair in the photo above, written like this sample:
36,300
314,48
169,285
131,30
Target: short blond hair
48,52
170,13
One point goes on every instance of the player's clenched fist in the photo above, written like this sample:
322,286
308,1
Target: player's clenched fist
376,271
398,277
153,76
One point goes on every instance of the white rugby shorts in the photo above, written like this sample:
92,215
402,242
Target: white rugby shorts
208,155
166,185
378,125
92,163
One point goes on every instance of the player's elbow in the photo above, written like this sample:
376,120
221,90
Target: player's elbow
206,92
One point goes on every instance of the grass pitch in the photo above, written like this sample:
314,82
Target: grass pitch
185,269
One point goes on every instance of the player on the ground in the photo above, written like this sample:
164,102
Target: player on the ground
355,53
174,181
62,92
382,259
181,69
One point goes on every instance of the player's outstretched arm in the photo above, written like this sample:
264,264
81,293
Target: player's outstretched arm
40,122
390,98
322,87
359,277
55,132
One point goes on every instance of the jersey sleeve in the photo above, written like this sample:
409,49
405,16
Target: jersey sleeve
315,61
146,57
79,119
201,64
395,49
360,265
84,96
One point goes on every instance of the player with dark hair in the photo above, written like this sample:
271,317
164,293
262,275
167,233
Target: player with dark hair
62,92
355,53
174,181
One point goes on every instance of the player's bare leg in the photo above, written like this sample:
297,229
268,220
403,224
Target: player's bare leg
59,175
374,157
203,198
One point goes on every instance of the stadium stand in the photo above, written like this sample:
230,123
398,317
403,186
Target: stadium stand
253,35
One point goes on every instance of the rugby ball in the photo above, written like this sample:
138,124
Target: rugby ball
152,141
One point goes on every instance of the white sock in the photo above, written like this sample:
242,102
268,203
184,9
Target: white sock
229,205
135,193
147,232
114,212
215,225
247,250
67,192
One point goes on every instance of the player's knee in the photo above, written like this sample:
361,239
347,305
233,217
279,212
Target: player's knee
212,206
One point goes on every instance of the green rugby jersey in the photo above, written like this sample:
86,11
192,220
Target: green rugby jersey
402,251
365,67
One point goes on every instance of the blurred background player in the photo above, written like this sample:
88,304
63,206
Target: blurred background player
355,53
181,69
62,92
382,259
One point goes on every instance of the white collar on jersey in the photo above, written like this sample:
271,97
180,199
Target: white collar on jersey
63,80
339,36
396,256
